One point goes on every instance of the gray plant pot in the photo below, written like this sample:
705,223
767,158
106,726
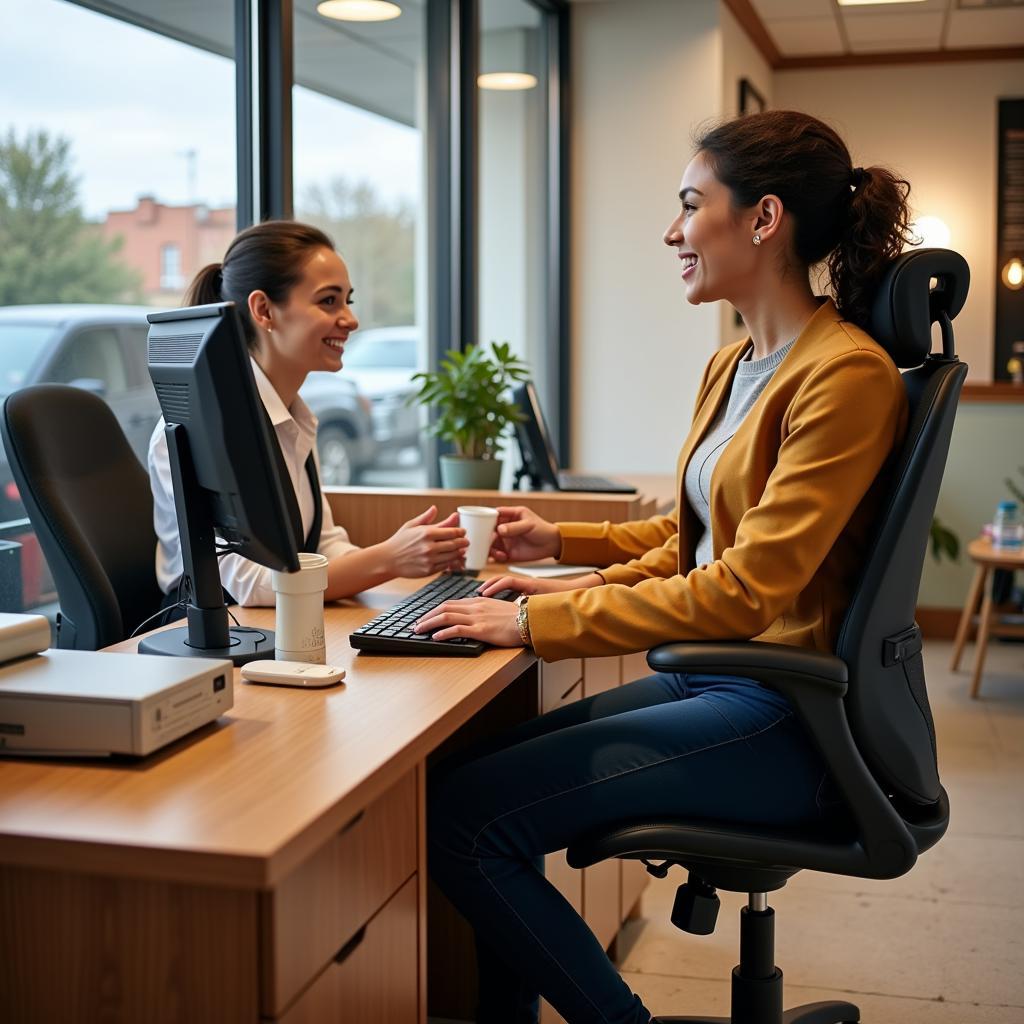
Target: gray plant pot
459,473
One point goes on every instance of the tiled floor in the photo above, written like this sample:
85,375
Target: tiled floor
943,945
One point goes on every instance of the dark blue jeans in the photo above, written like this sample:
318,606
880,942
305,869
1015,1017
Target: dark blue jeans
673,745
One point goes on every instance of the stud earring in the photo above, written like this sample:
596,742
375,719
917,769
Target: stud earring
756,239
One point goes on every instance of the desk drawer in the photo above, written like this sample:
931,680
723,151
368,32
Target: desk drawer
374,980
323,903
557,679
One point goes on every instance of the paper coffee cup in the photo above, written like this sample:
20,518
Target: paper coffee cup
299,629
479,522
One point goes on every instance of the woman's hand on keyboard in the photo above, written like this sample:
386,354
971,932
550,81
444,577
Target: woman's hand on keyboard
421,546
480,618
529,585
523,536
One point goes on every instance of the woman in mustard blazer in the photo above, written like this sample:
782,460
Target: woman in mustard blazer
778,487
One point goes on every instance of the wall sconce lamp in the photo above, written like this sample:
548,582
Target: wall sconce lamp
359,10
933,232
1013,274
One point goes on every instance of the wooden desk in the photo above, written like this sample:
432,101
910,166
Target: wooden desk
986,560
270,867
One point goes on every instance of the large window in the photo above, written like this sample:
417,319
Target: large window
358,142
133,144
514,201
117,182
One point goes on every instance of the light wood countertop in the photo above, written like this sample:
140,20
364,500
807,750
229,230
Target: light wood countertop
244,800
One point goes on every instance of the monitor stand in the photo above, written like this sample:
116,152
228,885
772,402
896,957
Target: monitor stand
207,634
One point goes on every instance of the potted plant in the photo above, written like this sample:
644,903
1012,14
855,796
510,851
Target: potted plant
470,391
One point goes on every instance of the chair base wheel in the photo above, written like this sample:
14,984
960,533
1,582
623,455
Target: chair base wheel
810,1013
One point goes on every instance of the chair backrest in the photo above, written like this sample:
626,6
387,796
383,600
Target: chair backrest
91,507
887,704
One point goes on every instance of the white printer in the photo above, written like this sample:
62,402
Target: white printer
87,703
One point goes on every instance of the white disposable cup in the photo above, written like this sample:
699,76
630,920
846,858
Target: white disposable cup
479,523
299,631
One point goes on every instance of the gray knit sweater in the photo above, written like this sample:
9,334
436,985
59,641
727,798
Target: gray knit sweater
752,376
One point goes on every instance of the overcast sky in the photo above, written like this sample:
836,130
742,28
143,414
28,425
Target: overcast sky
133,102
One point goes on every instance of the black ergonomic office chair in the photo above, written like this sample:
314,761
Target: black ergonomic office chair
91,507
865,706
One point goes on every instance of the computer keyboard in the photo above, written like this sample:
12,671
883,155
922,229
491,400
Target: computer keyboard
600,484
392,631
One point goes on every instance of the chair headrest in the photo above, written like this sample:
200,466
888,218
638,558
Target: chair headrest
906,305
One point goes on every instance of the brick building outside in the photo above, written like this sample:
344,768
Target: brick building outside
168,244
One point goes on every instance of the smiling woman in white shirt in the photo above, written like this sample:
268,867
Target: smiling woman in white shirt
294,297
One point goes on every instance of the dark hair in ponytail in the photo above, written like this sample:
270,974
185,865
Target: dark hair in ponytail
854,218
267,257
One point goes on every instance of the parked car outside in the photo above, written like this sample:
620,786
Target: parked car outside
102,348
344,438
381,361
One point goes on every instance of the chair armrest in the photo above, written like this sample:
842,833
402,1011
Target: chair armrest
804,667
815,684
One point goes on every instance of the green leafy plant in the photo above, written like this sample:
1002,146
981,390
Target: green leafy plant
944,542
470,391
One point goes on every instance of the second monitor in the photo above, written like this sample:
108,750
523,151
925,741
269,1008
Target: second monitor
538,453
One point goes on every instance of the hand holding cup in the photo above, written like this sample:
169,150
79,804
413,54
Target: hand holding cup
479,522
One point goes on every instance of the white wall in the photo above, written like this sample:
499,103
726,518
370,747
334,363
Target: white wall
740,59
936,125
644,72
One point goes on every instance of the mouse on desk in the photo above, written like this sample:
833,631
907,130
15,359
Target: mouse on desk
292,673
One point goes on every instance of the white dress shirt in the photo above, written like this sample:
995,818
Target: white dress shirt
247,581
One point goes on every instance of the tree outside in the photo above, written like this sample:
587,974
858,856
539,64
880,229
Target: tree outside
377,242
49,252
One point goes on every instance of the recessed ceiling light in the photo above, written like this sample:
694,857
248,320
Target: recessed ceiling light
506,81
358,10
874,3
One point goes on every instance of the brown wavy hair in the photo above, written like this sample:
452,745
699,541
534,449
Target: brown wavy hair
855,220
266,257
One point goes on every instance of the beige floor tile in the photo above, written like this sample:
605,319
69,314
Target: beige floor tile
960,869
969,953
982,806
665,994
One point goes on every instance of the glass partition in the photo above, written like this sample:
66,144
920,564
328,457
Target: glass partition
358,111
117,183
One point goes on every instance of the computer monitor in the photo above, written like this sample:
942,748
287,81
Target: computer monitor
535,447
228,475
540,463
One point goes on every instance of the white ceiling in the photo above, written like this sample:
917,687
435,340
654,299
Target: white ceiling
802,28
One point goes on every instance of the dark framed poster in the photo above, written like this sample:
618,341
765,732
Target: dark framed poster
751,101
1009,320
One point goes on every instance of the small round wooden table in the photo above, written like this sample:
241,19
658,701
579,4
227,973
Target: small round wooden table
986,560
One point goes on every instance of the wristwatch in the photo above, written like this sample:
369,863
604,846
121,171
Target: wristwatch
522,622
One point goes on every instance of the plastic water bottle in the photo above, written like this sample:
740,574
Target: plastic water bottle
1007,529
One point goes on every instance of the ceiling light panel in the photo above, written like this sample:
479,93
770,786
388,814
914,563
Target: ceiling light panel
991,27
769,10
798,36
894,32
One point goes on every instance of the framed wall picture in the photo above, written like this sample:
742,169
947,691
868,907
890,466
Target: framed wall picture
751,101
1008,358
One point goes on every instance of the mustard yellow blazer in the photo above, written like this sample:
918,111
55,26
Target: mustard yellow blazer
793,499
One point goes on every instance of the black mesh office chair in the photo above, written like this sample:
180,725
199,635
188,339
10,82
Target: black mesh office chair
865,706
91,507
